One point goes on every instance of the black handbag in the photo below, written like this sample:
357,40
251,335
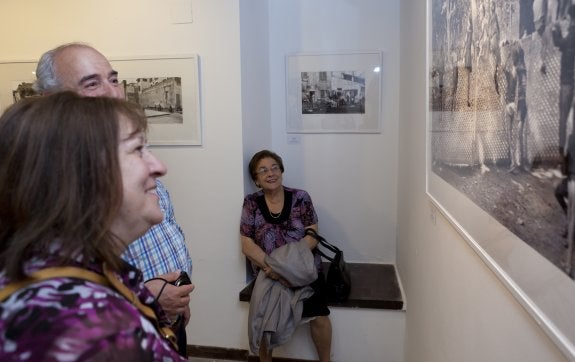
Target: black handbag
338,279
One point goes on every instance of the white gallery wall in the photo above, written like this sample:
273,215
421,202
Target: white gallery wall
350,177
457,308
205,182
369,189
241,47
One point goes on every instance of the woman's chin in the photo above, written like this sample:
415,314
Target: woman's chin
144,227
157,217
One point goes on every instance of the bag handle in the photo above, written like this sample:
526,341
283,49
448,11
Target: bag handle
311,232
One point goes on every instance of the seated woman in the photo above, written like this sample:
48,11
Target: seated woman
77,185
271,219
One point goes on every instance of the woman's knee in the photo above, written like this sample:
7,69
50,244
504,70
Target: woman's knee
321,322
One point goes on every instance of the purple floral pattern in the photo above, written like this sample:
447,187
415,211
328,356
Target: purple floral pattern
271,235
68,319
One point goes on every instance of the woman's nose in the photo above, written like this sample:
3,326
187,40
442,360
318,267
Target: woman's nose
157,167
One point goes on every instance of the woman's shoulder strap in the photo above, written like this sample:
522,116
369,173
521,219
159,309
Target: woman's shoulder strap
50,273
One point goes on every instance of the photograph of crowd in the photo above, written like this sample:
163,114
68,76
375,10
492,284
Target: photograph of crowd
501,120
332,92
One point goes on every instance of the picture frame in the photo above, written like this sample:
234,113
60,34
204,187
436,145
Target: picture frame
181,101
334,92
168,87
16,79
492,152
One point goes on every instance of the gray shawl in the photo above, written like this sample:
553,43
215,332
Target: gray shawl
275,310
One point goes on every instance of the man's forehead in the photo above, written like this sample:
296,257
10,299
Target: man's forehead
82,58
78,64
78,51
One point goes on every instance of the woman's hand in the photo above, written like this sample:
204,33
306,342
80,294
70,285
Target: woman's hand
311,241
275,276
270,273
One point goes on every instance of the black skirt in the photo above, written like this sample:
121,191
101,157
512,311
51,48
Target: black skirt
316,305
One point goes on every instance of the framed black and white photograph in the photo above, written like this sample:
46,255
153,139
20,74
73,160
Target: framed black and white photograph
500,145
334,93
167,87
16,79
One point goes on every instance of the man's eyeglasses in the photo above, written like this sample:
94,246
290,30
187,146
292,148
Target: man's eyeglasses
264,170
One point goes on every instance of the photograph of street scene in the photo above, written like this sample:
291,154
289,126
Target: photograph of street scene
333,92
161,98
501,115
23,90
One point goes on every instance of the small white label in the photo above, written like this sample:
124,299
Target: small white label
293,139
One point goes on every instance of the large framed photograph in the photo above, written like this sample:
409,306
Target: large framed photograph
500,145
334,93
167,87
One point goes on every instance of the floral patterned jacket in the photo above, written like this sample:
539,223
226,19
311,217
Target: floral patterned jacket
71,319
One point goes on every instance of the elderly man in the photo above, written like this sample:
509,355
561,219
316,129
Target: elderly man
161,254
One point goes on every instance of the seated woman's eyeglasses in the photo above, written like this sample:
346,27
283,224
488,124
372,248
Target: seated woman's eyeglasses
264,170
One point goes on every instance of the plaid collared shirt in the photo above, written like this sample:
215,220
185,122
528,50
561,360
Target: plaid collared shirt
163,248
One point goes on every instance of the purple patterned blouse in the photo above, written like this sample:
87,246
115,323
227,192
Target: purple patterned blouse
68,319
270,231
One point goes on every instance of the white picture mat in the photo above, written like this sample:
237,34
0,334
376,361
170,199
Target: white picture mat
184,66
545,291
369,122
187,68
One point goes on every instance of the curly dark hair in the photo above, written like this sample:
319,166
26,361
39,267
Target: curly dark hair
260,156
